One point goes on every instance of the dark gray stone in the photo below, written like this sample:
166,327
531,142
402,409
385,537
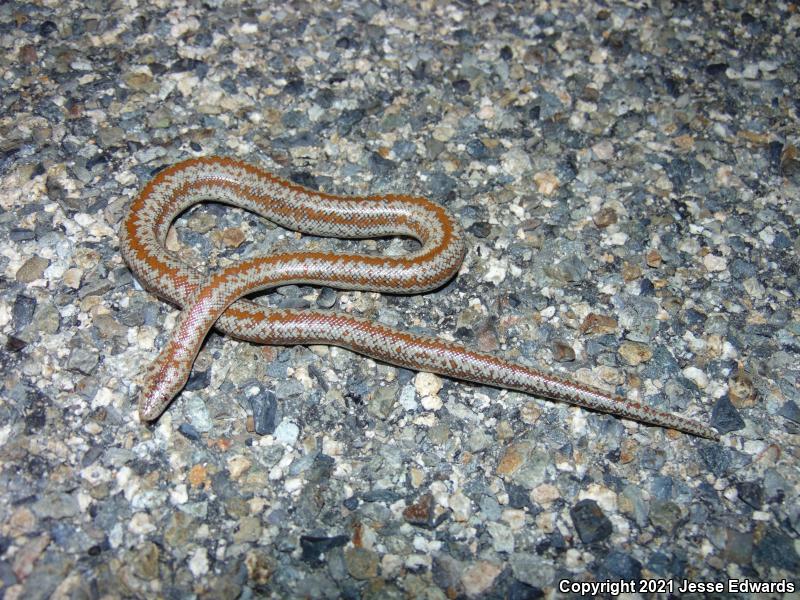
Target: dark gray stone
724,416
790,411
776,549
590,522
314,548
751,493
22,312
264,406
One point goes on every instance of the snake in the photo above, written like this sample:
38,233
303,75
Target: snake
217,299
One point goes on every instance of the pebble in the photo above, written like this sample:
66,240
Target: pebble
141,524
361,563
431,403
238,465
144,561
32,269
595,324
56,506
263,405
427,384
233,237
618,566
72,278
197,413
198,563
546,183
22,312
111,137
82,360
315,548
326,298
697,376
496,271
738,547
635,353
478,440
381,402
563,352
605,218
530,569
790,161
741,391
287,433
545,494
477,149
750,493
461,507
714,263
189,431
260,567
27,556
603,150
590,522
513,458
248,529
516,162
654,259
479,577
425,513
777,549
716,459
790,411
724,416
502,537
665,515
632,503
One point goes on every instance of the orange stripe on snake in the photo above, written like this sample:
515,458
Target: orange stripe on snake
217,300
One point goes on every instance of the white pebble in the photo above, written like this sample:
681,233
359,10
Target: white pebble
141,524
515,162
545,494
696,376
495,271
603,150
618,238
713,263
293,484
433,403
237,465
391,565
198,564
179,495
461,506
287,432
427,384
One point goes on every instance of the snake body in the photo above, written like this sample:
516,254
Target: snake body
217,300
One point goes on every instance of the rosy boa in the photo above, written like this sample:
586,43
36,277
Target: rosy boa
217,299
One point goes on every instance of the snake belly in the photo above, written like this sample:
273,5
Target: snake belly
216,300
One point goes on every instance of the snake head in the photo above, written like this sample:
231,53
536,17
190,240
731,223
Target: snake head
163,382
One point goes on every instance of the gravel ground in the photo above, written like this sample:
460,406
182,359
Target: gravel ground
628,177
